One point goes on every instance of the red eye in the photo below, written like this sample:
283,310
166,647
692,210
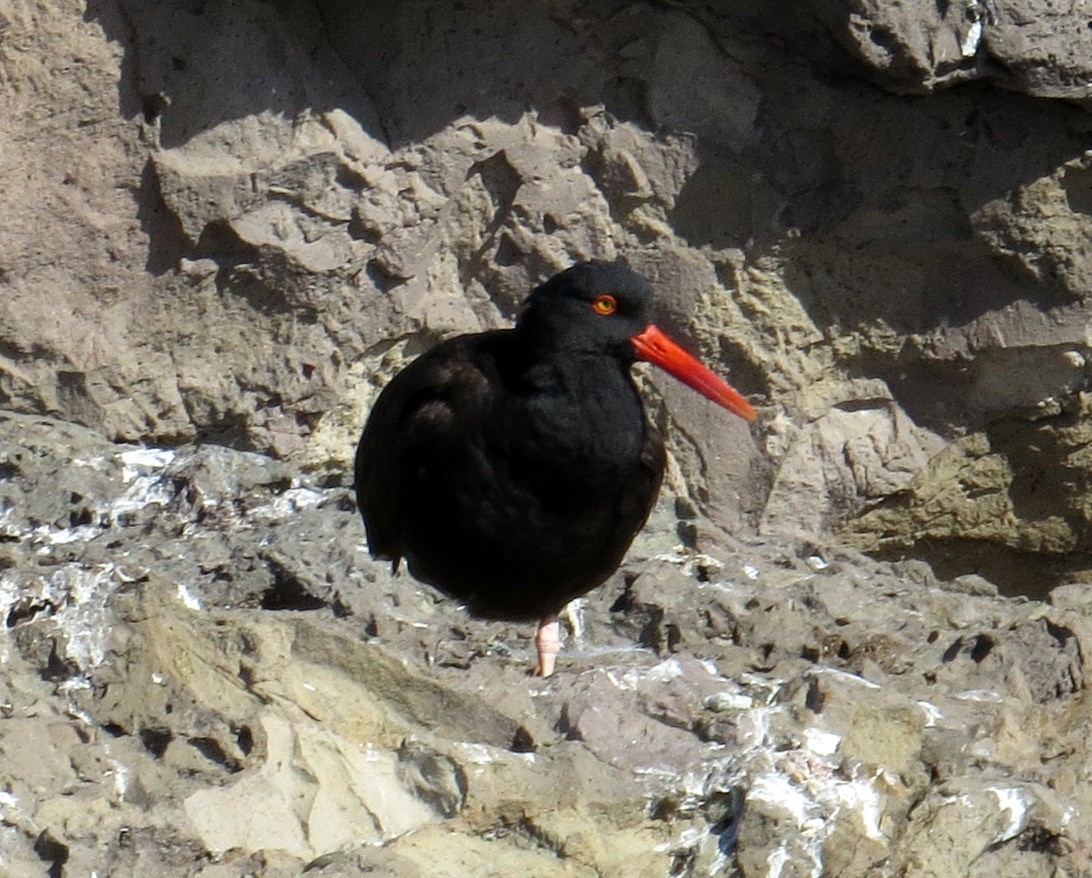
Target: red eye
605,305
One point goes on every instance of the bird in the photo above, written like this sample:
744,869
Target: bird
512,468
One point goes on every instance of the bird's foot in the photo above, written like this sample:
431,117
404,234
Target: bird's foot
548,644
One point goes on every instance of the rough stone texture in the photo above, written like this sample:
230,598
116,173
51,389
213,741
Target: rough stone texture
204,674
227,224
240,218
1031,46
1017,491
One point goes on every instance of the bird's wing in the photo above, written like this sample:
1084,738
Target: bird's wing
638,501
407,430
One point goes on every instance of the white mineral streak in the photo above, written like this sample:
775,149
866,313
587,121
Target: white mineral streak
1015,801
973,38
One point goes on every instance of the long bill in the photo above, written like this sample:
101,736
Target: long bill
655,347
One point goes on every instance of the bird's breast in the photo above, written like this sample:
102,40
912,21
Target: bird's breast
575,444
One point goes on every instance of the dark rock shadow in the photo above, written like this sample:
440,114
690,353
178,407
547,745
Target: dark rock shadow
167,241
884,230
426,64
869,181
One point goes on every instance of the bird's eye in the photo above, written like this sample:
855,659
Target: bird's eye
605,305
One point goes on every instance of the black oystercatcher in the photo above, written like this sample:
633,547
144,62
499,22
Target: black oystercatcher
513,468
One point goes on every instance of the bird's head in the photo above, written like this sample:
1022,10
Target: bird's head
593,307
605,308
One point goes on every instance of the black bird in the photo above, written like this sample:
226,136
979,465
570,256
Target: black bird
513,468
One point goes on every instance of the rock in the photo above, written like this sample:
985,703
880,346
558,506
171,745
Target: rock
986,497
292,238
783,703
1029,47
629,724
969,824
861,450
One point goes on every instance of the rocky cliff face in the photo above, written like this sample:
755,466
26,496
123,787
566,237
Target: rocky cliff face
227,224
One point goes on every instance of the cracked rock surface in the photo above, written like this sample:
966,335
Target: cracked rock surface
218,680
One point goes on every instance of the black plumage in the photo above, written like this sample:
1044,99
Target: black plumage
512,469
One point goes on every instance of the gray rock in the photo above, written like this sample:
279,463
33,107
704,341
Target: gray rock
789,704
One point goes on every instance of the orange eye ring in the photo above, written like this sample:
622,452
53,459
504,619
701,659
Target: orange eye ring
605,305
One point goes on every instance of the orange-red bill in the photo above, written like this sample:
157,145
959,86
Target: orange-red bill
656,348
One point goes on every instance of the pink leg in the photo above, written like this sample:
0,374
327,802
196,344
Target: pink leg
548,644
